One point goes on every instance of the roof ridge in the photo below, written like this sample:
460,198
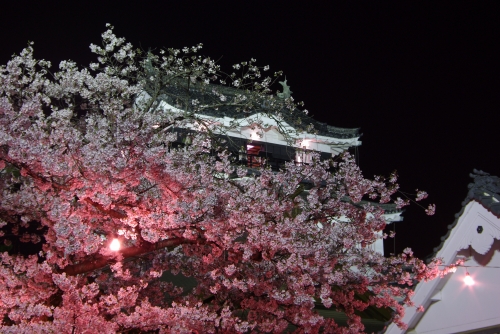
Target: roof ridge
485,189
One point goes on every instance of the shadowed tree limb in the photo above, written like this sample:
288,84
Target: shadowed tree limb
102,261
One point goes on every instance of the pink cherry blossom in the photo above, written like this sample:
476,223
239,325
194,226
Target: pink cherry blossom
431,209
204,246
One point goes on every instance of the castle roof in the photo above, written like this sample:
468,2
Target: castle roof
174,93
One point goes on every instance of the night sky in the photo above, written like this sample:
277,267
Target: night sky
421,80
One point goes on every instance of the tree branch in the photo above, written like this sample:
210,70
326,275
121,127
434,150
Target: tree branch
102,261
111,213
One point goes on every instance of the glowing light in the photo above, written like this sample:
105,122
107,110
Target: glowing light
468,280
114,245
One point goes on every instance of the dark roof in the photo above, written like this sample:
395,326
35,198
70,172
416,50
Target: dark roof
387,207
485,190
203,93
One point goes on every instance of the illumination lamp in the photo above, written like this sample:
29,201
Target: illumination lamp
114,245
468,279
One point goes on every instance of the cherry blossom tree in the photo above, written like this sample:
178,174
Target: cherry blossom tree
87,162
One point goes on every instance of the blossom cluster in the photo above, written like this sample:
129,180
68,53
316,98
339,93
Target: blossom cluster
203,246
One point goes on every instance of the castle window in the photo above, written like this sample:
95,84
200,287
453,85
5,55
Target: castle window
254,156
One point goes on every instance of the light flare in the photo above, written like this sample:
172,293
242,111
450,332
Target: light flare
468,280
114,245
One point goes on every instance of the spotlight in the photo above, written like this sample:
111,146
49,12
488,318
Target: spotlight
114,245
468,280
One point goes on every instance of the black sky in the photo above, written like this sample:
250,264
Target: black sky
421,79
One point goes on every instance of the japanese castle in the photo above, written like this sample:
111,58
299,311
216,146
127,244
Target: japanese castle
256,140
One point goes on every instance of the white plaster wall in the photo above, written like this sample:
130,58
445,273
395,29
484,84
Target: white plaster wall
462,307
451,306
